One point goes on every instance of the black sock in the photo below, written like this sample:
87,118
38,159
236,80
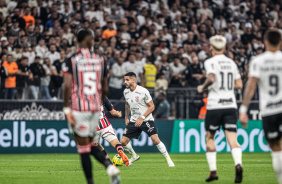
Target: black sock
119,147
87,167
104,152
100,156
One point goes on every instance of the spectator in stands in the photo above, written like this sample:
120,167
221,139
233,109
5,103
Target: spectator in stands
109,32
116,80
150,72
57,79
29,53
36,71
17,53
41,48
205,11
22,77
163,107
114,59
197,72
53,54
29,19
132,66
161,84
248,36
3,75
17,18
10,81
163,67
49,70
176,72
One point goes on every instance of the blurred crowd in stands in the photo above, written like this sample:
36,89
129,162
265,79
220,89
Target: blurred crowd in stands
165,42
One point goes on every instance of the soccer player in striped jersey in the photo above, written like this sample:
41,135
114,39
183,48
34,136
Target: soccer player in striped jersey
106,131
84,81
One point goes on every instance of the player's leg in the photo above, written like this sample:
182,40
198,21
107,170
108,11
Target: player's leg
108,134
84,149
211,156
96,142
276,154
230,128
160,145
112,171
118,146
81,132
272,127
130,132
236,151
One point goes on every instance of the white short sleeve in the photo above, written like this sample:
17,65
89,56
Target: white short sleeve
209,67
254,69
147,97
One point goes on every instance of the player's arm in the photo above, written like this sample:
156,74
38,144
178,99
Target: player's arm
209,81
109,106
150,109
67,69
126,114
104,80
249,92
210,76
238,84
248,95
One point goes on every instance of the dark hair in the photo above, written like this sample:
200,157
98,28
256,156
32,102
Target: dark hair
82,34
23,58
130,74
273,36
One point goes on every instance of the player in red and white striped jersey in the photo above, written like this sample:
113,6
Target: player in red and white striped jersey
84,81
106,131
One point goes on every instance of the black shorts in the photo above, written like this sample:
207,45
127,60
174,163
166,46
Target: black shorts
272,126
133,132
227,118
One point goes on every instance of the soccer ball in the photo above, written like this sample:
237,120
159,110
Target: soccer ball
117,160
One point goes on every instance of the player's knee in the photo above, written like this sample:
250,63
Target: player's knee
155,140
124,141
275,145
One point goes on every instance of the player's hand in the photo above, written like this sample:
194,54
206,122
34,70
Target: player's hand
243,118
119,114
139,122
126,121
200,88
70,119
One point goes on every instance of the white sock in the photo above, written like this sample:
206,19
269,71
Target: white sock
211,157
277,164
237,155
162,149
130,150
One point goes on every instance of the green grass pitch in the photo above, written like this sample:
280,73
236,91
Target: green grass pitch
150,169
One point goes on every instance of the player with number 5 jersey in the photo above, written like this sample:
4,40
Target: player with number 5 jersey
84,84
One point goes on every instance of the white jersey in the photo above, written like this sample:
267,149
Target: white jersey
221,92
137,101
267,67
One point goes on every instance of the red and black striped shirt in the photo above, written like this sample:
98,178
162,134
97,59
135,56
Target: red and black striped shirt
87,69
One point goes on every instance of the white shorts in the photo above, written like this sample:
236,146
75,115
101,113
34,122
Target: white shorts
107,134
86,123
